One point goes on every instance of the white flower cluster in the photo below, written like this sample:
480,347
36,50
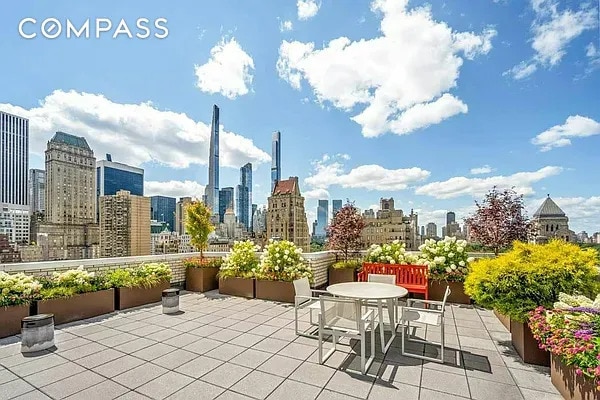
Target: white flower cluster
73,277
15,288
282,260
390,253
448,255
241,260
566,301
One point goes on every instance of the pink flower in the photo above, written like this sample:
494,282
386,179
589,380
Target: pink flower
578,371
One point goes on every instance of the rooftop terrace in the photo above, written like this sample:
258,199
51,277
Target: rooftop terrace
231,348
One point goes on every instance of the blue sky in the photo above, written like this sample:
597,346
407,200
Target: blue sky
431,103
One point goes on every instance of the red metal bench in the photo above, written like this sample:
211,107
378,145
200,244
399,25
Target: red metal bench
411,277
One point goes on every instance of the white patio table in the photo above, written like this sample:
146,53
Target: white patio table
363,291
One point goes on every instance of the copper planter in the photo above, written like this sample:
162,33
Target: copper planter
437,289
78,307
241,287
139,296
275,291
341,275
10,318
526,345
570,385
201,279
503,319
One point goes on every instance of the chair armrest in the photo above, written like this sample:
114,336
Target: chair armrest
423,310
320,291
304,299
435,302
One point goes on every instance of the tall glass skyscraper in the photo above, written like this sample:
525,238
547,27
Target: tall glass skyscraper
14,159
225,201
335,205
212,189
37,190
113,176
276,160
322,217
244,196
162,209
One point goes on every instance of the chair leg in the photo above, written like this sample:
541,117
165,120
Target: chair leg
296,321
320,340
381,325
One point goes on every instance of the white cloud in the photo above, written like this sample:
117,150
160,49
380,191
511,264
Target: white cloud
401,79
132,133
174,189
307,9
583,212
371,177
462,186
228,71
486,169
559,135
553,31
316,194
286,26
591,50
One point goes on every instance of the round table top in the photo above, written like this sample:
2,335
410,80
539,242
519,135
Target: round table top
367,290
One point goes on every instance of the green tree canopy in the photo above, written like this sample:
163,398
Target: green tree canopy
198,225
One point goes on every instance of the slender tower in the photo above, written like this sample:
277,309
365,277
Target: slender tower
276,160
212,189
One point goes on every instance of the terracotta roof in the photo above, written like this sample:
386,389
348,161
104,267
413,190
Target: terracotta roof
549,209
286,187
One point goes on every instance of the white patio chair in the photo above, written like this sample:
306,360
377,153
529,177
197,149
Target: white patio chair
305,298
391,305
343,318
426,316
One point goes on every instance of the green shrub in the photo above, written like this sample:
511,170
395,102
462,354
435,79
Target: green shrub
283,261
18,289
241,262
146,275
532,275
72,282
350,264
197,262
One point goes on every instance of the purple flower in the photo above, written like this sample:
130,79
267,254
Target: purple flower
588,310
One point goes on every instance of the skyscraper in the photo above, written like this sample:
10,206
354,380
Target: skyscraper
37,190
244,196
225,202
212,189
254,208
322,217
286,217
276,160
431,230
336,205
114,176
162,209
181,214
450,217
14,163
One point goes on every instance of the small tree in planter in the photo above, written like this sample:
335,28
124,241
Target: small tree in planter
74,295
201,273
448,264
17,291
239,267
280,264
139,285
198,225
344,235
528,276
499,220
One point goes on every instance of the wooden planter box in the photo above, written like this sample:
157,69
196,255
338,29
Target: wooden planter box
78,307
503,319
526,345
570,385
201,279
437,289
341,275
241,287
275,291
139,296
10,318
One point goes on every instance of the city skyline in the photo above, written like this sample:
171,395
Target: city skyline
487,116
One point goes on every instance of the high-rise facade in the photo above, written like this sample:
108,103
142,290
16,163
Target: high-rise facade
14,164
162,209
336,205
254,208
275,160
259,220
225,202
69,230
114,176
181,215
450,218
244,196
124,225
431,230
37,190
286,216
212,189
390,224
322,217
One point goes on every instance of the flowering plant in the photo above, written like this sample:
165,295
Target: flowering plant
241,262
390,253
146,275
447,258
72,282
572,334
283,261
18,289
197,262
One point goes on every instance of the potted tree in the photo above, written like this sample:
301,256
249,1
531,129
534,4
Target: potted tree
74,295
141,285
280,264
236,274
345,238
17,291
528,276
201,274
448,263
570,331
